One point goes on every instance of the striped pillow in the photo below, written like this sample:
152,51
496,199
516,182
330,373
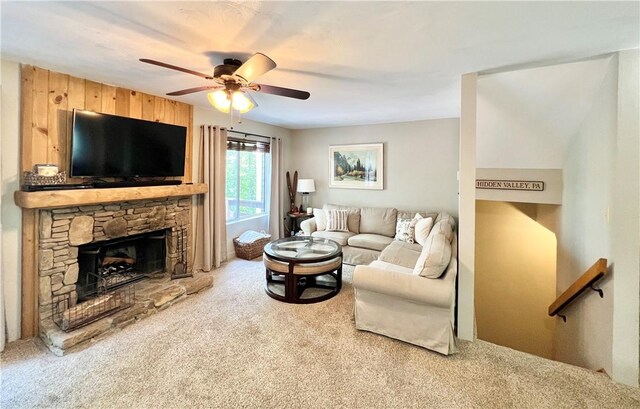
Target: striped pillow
337,220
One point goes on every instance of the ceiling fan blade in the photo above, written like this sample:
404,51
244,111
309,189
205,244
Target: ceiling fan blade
285,92
254,67
175,67
192,90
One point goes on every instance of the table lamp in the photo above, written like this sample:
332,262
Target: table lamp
305,186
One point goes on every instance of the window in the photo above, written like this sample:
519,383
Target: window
246,190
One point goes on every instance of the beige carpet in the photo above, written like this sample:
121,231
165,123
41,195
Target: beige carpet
233,346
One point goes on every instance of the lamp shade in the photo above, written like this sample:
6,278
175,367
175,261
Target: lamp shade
306,186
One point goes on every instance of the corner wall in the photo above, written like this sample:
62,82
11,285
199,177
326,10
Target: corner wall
601,219
420,164
11,215
467,206
625,223
586,338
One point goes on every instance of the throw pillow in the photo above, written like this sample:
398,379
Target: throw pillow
436,254
412,226
402,230
422,230
321,219
405,229
353,216
337,220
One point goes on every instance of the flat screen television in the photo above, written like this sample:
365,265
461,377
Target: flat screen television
105,145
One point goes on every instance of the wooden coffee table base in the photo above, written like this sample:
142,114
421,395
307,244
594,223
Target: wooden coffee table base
297,278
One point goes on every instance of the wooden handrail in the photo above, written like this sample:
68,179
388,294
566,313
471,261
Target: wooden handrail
593,274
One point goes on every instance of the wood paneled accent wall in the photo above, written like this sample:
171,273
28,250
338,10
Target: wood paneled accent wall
48,99
47,102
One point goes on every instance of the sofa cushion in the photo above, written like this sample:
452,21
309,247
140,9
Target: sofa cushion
370,241
422,230
445,217
336,220
321,219
353,219
409,214
357,256
401,253
340,237
383,265
436,252
378,220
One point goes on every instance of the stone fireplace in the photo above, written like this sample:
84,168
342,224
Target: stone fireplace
142,240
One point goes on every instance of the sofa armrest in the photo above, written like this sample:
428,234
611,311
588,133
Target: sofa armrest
422,290
308,226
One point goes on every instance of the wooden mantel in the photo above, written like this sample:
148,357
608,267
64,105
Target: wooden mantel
52,199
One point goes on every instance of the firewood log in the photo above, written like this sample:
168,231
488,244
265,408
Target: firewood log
112,260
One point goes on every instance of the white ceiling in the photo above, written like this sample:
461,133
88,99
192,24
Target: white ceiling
362,62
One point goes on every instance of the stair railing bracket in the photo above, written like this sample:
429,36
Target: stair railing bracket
597,289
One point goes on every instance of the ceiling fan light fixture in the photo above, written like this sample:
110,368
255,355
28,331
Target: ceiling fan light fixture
232,79
241,103
220,100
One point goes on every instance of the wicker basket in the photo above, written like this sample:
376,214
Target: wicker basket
249,251
33,179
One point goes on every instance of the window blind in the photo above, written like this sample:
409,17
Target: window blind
234,144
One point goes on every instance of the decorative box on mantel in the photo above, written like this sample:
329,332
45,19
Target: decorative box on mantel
61,223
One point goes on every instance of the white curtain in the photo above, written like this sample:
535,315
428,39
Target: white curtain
276,224
213,159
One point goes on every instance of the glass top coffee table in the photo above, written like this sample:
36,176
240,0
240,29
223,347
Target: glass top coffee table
303,270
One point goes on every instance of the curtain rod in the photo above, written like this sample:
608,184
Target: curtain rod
252,134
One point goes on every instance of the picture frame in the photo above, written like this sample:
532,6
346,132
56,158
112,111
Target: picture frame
358,166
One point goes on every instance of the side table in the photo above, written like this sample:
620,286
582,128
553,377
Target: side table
295,219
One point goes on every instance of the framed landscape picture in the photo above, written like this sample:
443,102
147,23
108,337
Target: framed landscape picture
356,166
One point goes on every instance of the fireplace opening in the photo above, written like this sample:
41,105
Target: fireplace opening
114,263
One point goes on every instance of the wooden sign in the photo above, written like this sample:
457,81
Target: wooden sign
510,184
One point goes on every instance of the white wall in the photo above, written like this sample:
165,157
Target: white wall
203,116
11,214
3,337
625,238
467,207
586,338
420,164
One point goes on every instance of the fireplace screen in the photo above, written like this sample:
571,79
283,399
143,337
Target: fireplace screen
120,261
108,297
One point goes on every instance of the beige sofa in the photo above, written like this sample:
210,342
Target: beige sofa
391,297
371,230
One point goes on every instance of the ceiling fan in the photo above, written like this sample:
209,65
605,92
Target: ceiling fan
232,80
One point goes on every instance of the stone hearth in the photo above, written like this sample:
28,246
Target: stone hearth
62,230
152,296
